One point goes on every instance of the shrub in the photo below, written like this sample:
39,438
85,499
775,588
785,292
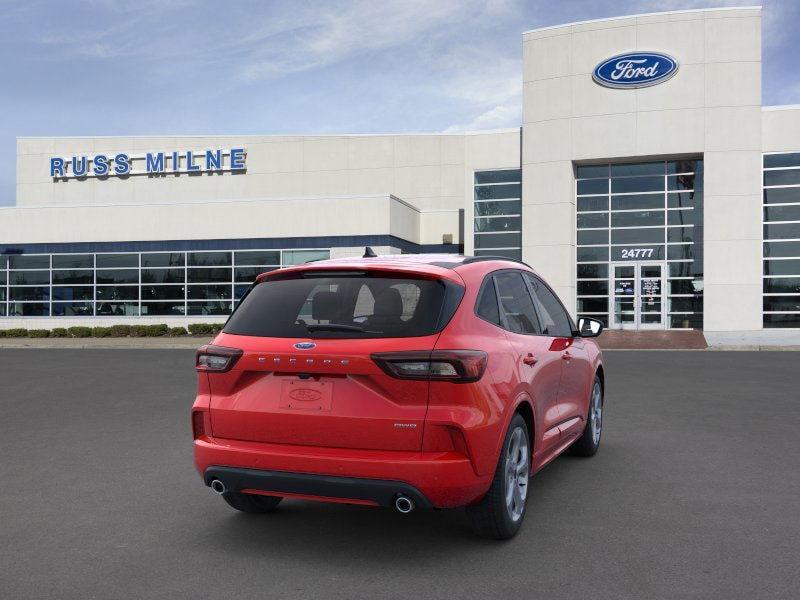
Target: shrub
39,333
200,329
120,330
59,332
157,330
16,332
2,333
177,331
217,327
80,332
138,330
101,332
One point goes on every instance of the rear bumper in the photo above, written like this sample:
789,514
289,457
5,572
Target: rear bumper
432,479
368,491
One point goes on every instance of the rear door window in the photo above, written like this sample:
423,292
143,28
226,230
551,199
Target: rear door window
342,306
516,306
486,307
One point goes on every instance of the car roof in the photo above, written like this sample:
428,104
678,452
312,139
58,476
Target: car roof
441,265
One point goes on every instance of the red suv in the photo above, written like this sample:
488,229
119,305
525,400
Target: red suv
410,381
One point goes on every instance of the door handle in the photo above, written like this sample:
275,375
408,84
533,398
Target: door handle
529,359
566,356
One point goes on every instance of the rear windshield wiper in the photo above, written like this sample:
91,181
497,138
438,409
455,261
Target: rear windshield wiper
334,327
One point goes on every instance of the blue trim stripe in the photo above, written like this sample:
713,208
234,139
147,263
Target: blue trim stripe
337,241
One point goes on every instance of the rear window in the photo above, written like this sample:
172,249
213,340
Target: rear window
344,306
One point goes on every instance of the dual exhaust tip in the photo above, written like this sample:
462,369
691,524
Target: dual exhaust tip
403,504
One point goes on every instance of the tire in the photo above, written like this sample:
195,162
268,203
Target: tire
500,514
251,503
589,442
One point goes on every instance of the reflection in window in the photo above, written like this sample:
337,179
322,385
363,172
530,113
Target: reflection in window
497,210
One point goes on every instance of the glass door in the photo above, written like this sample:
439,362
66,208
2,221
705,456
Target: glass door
637,295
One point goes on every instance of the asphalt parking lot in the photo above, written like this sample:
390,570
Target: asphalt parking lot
695,493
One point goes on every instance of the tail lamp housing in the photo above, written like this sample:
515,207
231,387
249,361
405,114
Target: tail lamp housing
217,359
457,366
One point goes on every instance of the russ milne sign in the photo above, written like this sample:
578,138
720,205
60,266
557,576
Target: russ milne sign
635,70
122,164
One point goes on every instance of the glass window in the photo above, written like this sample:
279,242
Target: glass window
209,292
593,220
684,166
498,240
592,271
781,249
117,292
782,303
782,160
486,307
593,288
73,309
73,276
28,309
118,309
782,231
29,293
637,219
298,257
516,304
29,261
592,186
2,277
589,254
114,261
586,171
117,275
680,182
782,267
498,176
682,286
71,292
162,292
694,321
788,177
637,236
500,207
162,308
364,307
782,195
209,308
681,217
592,236
498,224
210,275
782,213
693,304
649,168
593,305
775,321
73,261
637,202
209,259
684,199
637,184
513,254
555,321
593,203
257,257
163,259
679,252
495,192
681,269
29,277
782,285
680,234
163,276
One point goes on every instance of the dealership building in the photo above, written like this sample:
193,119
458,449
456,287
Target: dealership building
646,183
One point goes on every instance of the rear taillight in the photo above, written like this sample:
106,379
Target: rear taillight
216,359
198,423
458,366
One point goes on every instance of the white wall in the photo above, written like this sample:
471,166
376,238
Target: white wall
712,106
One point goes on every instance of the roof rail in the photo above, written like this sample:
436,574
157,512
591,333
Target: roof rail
473,259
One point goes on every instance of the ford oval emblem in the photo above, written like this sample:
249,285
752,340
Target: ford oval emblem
305,345
635,70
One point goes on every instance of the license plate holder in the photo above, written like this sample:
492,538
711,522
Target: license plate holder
301,394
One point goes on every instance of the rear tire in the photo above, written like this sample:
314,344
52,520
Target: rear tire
500,514
251,503
589,442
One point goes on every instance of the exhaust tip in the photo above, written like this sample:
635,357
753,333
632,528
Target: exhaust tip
404,504
218,487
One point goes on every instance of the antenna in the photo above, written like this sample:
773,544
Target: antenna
369,253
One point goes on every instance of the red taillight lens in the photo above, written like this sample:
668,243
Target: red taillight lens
198,423
217,359
458,366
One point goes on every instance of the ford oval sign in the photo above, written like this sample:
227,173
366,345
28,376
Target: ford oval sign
305,345
635,70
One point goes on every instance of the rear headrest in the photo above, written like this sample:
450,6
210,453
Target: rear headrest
388,303
325,306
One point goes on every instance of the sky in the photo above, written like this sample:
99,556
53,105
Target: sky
171,67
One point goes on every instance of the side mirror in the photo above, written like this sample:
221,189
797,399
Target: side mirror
589,327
